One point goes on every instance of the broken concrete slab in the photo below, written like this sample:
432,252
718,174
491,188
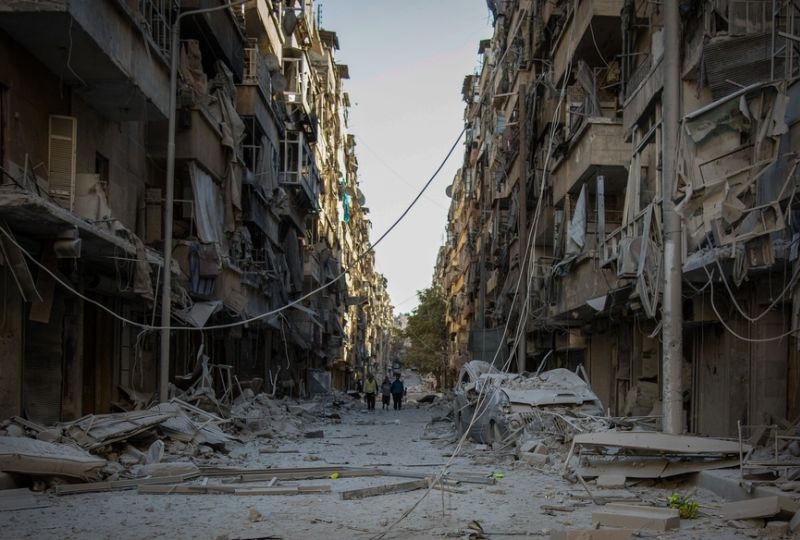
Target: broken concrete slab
659,442
637,517
32,456
762,507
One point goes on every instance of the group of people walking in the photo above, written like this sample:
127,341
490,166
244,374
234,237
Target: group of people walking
394,389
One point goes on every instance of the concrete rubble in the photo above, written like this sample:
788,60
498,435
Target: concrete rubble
167,440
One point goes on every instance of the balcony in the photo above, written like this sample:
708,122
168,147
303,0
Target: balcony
217,32
592,26
596,149
311,268
200,142
584,282
644,84
299,171
254,95
113,53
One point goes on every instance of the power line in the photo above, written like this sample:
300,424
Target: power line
270,313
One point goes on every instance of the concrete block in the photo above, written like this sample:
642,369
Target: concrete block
637,517
762,507
592,534
534,459
611,481
776,529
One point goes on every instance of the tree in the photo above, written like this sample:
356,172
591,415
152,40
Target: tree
427,334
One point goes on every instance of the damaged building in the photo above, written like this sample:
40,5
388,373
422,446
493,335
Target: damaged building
555,239
267,210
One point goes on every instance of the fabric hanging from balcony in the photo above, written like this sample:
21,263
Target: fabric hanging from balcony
209,207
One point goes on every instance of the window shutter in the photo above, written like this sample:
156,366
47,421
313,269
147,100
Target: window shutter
61,155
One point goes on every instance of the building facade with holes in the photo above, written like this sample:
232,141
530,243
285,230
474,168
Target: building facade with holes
553,253
264,163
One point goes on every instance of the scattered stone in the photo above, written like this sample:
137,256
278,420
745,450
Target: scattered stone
155,452
611,481
254,515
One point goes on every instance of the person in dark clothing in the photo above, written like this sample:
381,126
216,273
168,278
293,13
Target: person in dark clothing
386,393
398,389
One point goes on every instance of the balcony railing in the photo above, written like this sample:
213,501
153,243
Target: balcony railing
256,70
157,22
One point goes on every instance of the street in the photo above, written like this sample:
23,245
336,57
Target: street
496,493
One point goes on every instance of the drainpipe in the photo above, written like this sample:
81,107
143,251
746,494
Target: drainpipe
672,308
169,197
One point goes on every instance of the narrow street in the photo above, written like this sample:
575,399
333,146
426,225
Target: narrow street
489,488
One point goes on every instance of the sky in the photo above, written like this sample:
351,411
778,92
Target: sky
407,62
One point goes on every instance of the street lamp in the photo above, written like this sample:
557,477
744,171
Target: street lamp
166,291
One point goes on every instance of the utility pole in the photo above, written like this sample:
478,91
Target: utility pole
169,197
672,306
522,227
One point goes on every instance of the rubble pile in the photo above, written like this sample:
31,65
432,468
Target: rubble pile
168,440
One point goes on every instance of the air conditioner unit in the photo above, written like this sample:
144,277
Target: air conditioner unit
61,159
628,256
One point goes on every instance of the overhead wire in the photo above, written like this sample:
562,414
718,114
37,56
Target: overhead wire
481,406
254,318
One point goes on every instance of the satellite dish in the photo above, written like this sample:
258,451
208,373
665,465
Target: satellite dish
360,196
279,82
449,191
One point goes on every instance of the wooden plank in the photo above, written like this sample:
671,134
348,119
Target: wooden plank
384,490
637,517
456,477
297,490
761,507
659,442
116,485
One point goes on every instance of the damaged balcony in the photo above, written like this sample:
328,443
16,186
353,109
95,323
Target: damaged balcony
217,31
592,27
254,95
596,149
197,139
299,171
99,49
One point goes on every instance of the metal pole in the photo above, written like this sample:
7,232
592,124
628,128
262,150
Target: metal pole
169,198
672,309
522,226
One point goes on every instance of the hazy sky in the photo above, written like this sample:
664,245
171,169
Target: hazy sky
407,62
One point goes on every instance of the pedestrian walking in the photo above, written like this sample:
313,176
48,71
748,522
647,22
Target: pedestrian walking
370,389
398,389
386,393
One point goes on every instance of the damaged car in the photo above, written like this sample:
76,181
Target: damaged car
495,407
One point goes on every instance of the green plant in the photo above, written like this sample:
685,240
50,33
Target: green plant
687,508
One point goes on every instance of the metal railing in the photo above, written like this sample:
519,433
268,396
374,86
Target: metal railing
157,19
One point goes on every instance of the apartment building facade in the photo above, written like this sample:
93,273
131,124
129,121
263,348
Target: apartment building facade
263,166
554,253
